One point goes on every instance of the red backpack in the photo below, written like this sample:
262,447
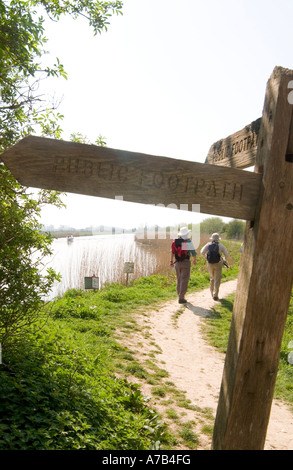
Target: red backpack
179,248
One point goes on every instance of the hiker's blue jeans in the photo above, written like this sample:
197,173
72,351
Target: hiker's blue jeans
182,269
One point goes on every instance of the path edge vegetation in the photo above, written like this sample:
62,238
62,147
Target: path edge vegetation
69,385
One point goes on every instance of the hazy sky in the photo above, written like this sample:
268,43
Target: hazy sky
169,78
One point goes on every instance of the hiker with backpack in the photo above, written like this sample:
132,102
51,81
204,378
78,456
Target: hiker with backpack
182,249
213,252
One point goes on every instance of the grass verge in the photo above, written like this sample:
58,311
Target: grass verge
217,331
67,387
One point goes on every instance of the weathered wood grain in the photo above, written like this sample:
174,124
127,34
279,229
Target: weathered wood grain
264,286
105,172
238,150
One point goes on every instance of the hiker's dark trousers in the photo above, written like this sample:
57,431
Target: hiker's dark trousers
183,274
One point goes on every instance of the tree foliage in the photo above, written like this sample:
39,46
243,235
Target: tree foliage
22,249
211,225
233,230
97,13
23,111
22,45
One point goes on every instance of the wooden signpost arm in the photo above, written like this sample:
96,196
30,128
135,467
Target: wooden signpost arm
264,285
104,172
238,150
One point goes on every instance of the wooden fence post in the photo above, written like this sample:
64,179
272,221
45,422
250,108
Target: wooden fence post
264,284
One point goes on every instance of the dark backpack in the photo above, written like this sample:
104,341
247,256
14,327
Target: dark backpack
213,254
179,249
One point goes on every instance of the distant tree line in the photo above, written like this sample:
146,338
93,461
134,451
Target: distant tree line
231,230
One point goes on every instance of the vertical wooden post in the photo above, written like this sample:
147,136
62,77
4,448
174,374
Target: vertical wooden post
264,284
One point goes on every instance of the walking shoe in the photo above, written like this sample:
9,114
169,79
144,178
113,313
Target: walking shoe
216,298
182,301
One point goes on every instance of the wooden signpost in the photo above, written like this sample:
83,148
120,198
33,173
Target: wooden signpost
264,284
221,187
148,179
128,269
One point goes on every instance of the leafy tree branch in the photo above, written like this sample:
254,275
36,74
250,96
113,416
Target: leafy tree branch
24,278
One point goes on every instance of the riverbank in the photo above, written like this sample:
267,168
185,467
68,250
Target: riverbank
93,375
105,256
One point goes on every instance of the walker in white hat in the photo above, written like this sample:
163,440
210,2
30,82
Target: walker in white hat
215,237
184,231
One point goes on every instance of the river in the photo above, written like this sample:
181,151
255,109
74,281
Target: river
100,255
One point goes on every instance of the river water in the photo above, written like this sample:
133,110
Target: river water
100,255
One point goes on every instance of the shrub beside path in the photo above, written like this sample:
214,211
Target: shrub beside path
196,367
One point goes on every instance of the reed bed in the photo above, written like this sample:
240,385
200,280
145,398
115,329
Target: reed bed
106,258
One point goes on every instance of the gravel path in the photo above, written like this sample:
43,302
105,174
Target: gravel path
194,366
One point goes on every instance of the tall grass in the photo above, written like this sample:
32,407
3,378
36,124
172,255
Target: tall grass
102,257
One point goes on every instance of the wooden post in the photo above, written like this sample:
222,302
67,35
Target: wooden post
128,269
264,284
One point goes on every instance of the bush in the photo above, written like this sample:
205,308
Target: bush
22,248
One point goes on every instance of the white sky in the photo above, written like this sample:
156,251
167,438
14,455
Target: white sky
169,78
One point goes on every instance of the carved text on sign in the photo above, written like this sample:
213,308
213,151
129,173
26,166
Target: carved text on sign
88,168
238,150
224,150
143,178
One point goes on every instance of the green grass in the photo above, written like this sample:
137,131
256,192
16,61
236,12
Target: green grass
188,435
218,332
57,393
219,325
61,388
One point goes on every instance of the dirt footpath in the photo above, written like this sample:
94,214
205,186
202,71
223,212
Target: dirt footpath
196,367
